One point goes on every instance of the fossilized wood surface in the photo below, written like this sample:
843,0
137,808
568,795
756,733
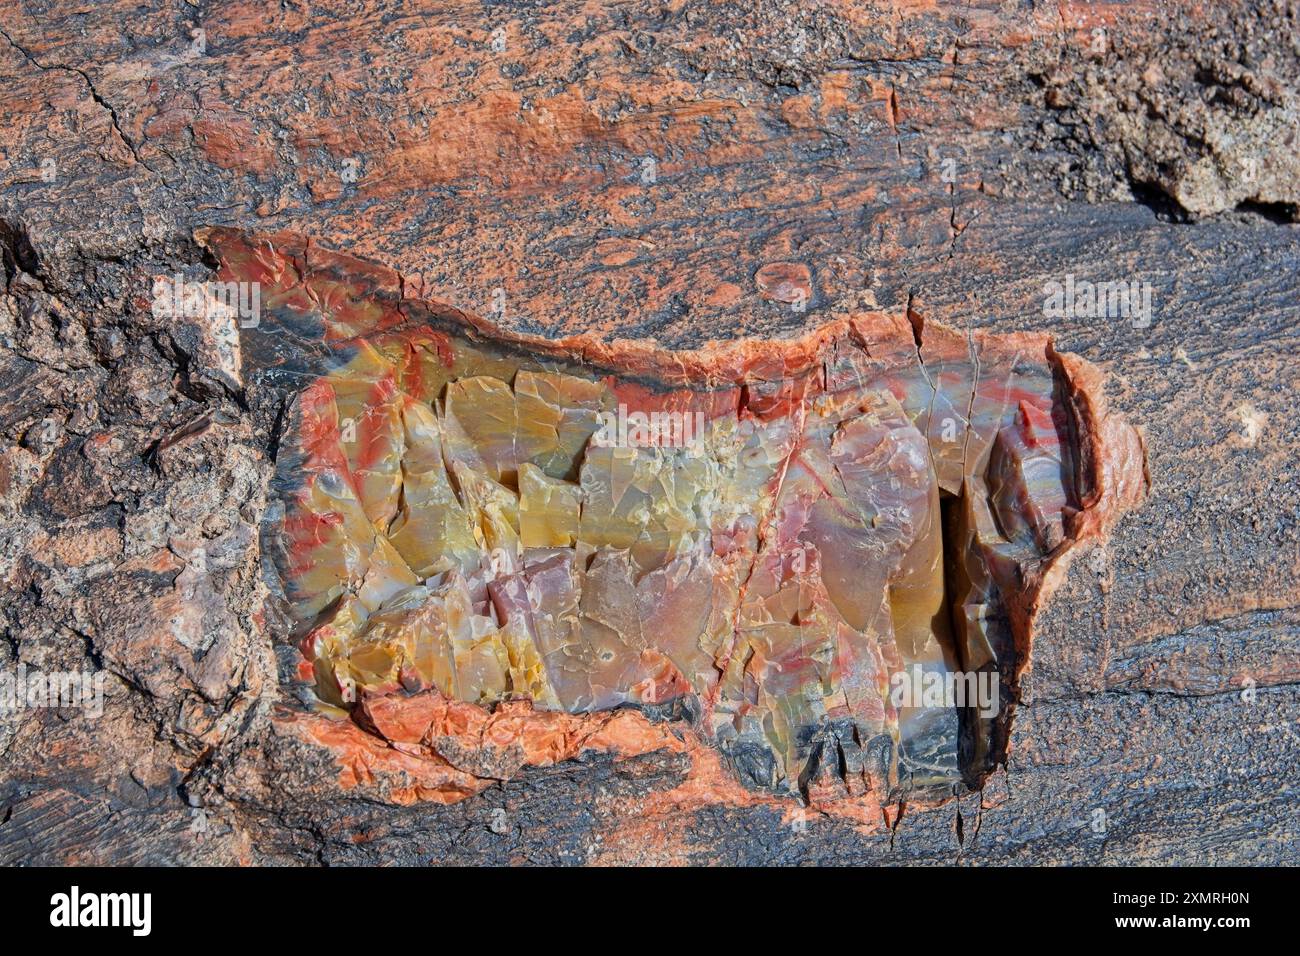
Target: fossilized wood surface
874,499
672,173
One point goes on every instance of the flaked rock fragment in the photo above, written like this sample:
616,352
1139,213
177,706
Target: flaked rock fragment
813,545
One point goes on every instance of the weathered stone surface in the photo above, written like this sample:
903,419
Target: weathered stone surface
702,172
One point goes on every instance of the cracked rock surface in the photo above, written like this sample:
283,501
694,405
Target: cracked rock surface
704,173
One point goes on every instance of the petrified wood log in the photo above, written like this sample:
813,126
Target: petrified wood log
899,185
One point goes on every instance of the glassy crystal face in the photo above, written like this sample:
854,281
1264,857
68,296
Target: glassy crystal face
814,551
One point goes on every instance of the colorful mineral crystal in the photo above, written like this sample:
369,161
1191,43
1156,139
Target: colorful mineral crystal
781,540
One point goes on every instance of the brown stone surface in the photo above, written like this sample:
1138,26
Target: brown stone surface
688,172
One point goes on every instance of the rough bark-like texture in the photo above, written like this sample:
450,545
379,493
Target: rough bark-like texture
670,171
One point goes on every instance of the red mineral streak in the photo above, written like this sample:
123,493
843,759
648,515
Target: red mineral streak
425,747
